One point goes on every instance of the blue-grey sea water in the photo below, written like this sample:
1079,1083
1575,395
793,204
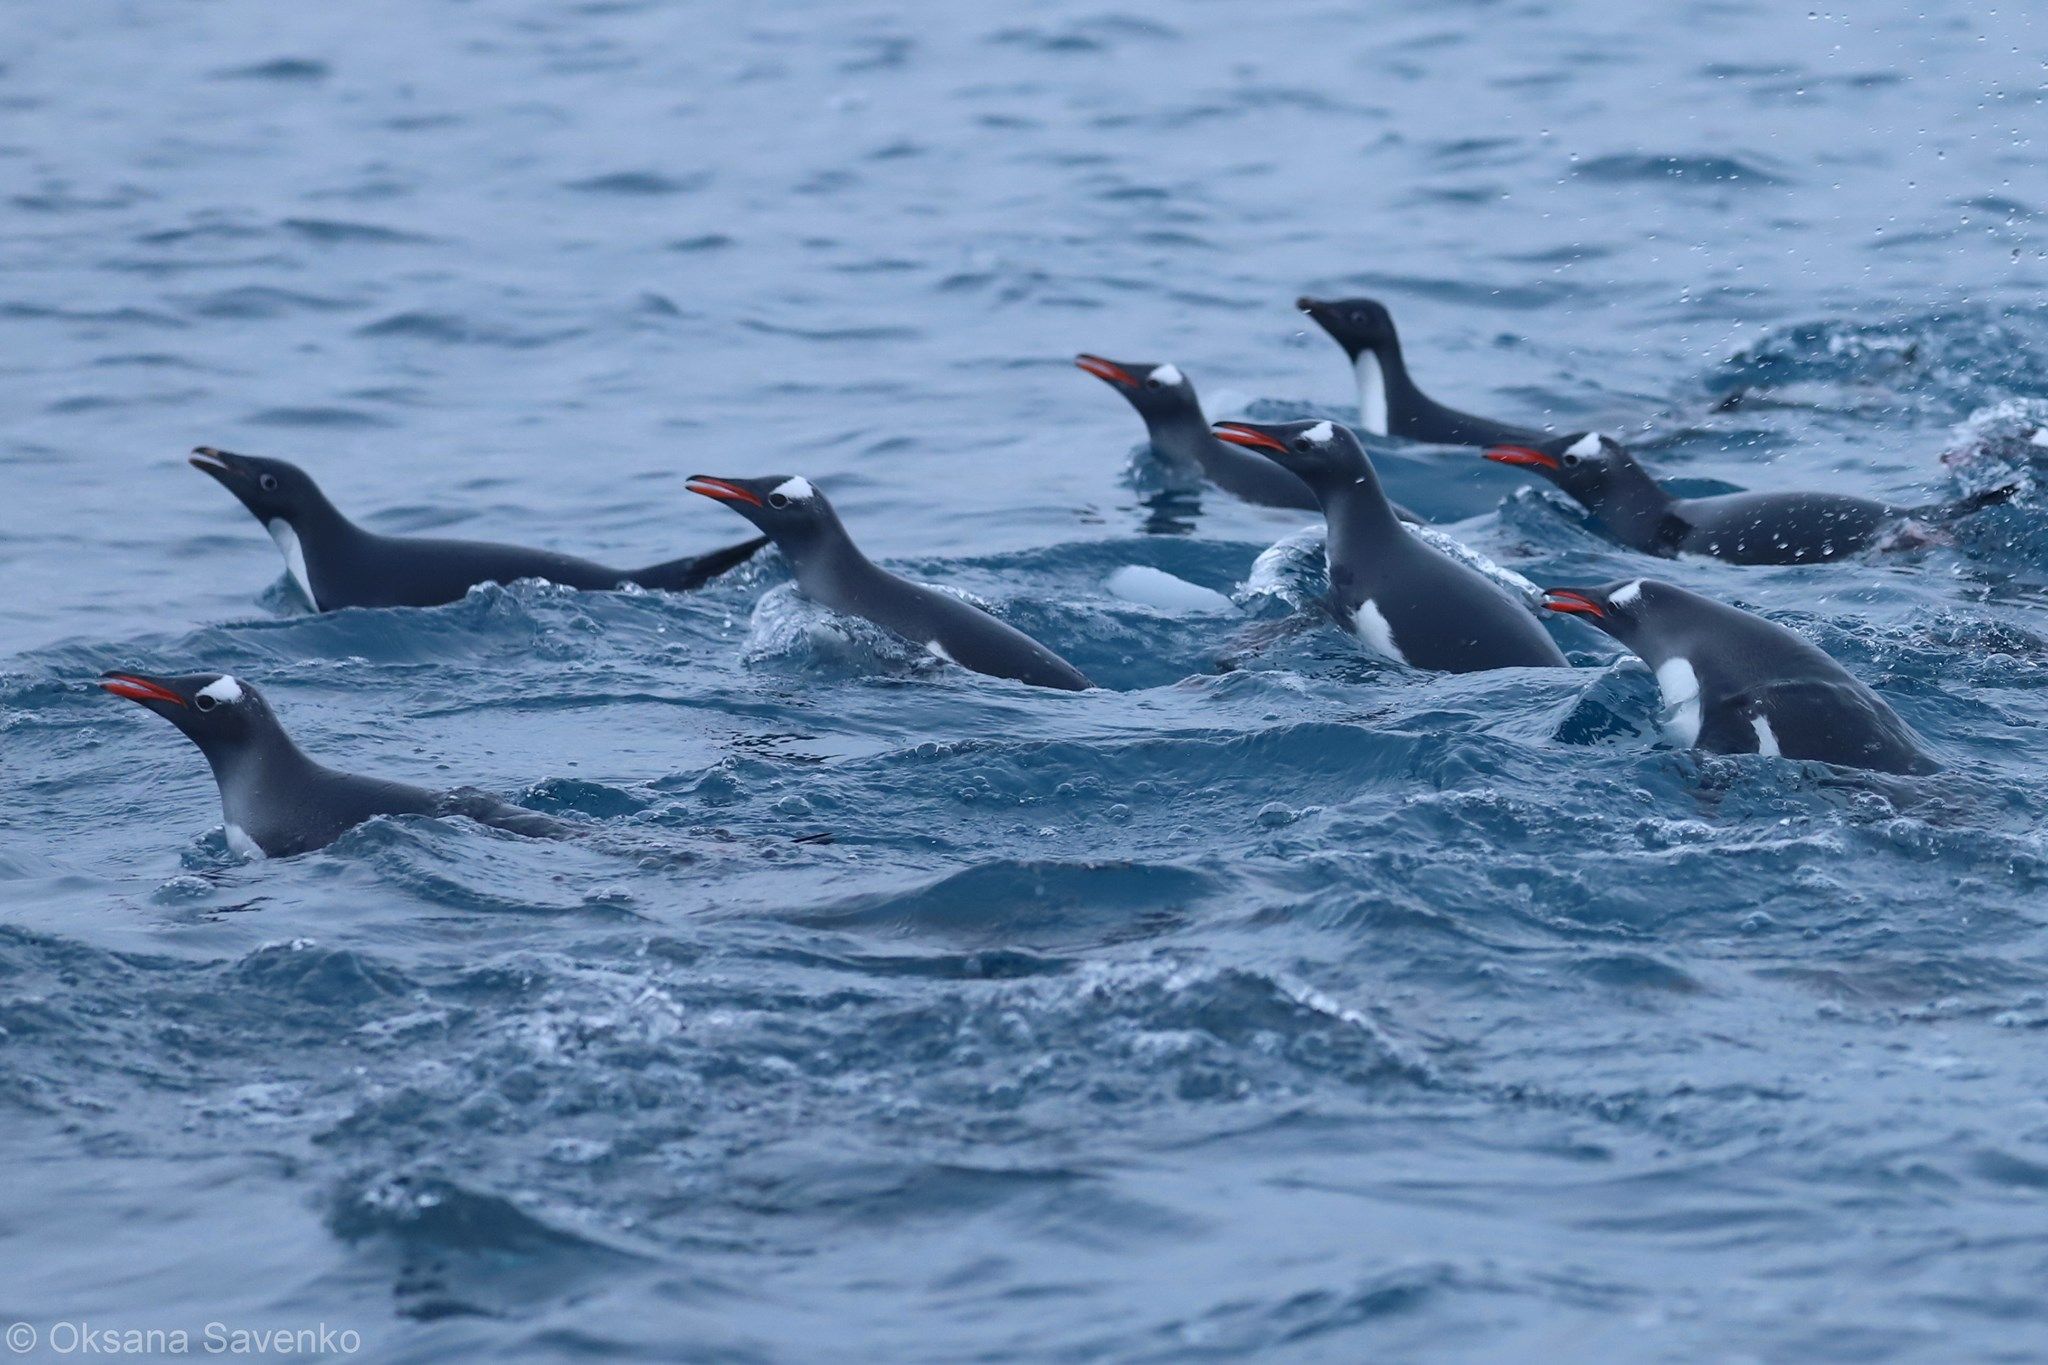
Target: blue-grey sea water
1269,1002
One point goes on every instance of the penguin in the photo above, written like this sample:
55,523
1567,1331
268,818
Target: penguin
1180,436
1389,403
276,801
831,570
1404,598
1742,528
1733,683
337,564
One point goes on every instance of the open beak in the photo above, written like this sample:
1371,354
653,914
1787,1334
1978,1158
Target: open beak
1244,434
1106,369
135,687
213,461
722,490
1523,457
1572,603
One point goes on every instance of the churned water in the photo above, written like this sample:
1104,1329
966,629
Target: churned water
1267,1002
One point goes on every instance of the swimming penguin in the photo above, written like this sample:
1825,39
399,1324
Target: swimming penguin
1180,435
831,570
1742,528
1389,403
1733,683
338,564
1405,599
274,799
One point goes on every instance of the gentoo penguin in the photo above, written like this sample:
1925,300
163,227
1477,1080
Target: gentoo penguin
1389,404
1180,435
831,570
1742,528
275,800
1404,598
338,564
1733,683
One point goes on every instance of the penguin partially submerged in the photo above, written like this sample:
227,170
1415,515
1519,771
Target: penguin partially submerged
337,563
274,799
1741,528
832,571
1404,598
1734,683
1389,402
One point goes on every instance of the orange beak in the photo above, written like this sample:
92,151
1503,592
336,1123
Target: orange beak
1238,434
1571,602
1522,456
1106,369
138,689
723,490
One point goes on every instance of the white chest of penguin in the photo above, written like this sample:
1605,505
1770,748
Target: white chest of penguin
1374,633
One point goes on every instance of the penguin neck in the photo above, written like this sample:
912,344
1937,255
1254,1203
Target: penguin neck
255,775
315,532
1636,509
1359,517
1383,386
1181,436
830,568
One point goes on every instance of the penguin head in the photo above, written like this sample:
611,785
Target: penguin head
1584,464
1358,325
1154,390
1321,454
1624,608
789,508
271,489
215,710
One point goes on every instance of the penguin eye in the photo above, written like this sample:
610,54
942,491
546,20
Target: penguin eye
1571,459
1303,444
202,702
1152,383
778,500
267,482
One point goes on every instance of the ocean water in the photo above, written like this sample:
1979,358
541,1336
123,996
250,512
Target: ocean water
1269,1002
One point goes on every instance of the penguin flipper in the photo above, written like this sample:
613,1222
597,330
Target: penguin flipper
694,571
1974,502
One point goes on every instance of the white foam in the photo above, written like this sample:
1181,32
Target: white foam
1167,374
294,557
1766,740
223,689
2039,438
239,842
1372,393
938,651
1680,688
1627,593
796,489
1320,432
1586,446
1373,629
1161,591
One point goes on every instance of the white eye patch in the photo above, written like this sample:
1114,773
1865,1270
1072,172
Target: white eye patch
1167,374
223,689
796,490
1320,432
1586,445
1627,593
